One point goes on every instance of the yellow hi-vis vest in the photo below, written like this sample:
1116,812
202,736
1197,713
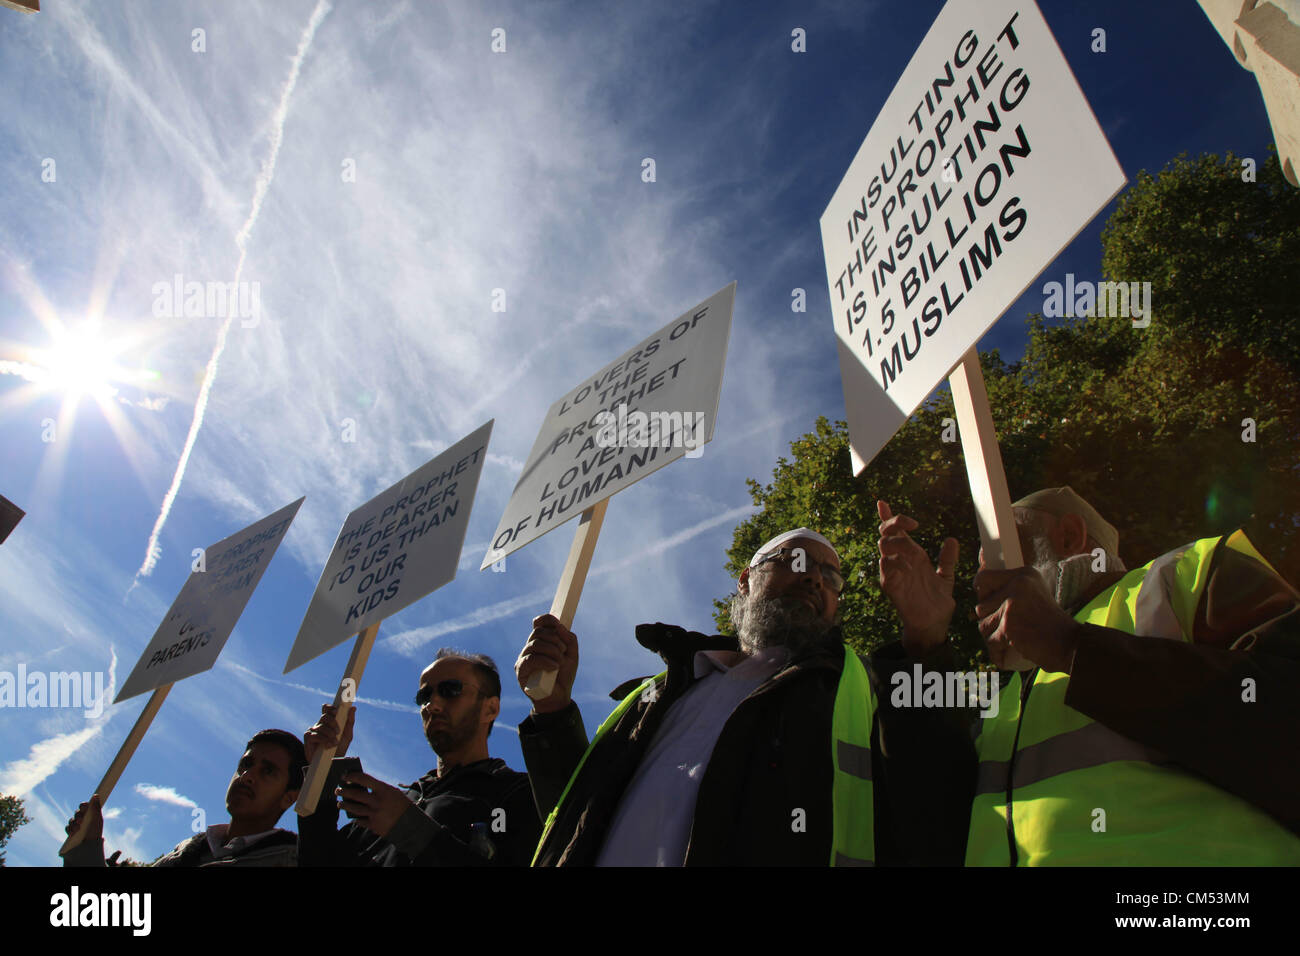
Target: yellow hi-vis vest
853,811
1080,794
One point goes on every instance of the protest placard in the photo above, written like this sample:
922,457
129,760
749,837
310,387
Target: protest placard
200,620
398,547
985,161
195,629
393,550
651,406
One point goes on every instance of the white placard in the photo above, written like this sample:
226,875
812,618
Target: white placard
653,405
984,163
399,546
201,618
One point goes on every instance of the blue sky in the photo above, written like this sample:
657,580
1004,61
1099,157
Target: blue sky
474,171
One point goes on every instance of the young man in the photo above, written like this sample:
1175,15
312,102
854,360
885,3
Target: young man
265,784
472,810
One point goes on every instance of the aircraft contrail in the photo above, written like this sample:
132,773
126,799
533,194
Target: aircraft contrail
154,550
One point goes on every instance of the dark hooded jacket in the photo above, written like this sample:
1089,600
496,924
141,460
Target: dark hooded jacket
772,759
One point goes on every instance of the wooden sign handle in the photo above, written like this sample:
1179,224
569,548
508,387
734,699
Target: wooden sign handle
988,480
540,684
116,768
314,780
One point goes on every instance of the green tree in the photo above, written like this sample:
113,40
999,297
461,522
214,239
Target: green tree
1149,424
11,818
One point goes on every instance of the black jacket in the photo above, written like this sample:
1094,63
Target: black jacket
480,814
772,758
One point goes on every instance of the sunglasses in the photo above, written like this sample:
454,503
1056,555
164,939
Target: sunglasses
448,689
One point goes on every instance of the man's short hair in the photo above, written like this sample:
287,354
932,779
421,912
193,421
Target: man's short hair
484,667
292,746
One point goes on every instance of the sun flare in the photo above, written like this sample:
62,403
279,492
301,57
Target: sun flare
81,363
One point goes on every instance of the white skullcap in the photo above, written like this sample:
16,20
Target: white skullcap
780,539
1066,501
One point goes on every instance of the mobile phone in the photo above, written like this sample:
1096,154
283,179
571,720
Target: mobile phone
339,767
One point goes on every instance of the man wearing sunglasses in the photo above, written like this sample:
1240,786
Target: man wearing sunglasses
471,810
764,749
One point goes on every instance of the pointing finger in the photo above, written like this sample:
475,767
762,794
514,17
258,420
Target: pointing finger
948,559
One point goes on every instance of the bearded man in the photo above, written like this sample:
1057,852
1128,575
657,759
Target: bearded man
472,810
1153,716
770,748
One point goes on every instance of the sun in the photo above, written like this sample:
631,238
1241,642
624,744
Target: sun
78,363
81,363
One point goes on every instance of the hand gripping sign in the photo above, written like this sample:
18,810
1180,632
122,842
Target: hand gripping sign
195,629
655,404
985,162
398,547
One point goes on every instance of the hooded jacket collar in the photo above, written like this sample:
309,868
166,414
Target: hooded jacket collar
677,646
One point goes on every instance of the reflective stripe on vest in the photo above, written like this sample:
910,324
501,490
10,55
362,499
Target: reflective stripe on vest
853,812
1082,794
853,840
609,722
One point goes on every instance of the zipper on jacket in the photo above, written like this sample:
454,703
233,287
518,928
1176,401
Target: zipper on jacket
1026,685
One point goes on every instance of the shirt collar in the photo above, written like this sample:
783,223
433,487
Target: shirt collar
220,846
723,661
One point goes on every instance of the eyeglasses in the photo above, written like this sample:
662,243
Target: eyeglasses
448,689
786,556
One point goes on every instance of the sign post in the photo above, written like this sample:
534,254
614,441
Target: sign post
313,780
195,630
988,479
985,161
656,403
569,591
398,547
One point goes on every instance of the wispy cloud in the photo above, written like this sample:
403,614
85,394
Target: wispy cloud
154,403
407,642
164,795
410,641
673,540
321,694
33,373
45,756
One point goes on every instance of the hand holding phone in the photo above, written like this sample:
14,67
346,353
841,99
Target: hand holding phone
340,767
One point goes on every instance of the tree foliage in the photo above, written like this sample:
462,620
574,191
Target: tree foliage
1148,424
12,816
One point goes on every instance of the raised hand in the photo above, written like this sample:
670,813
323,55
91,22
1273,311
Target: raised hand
919,591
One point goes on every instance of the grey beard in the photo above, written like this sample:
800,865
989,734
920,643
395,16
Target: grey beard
1046,563
771,622
1068,579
